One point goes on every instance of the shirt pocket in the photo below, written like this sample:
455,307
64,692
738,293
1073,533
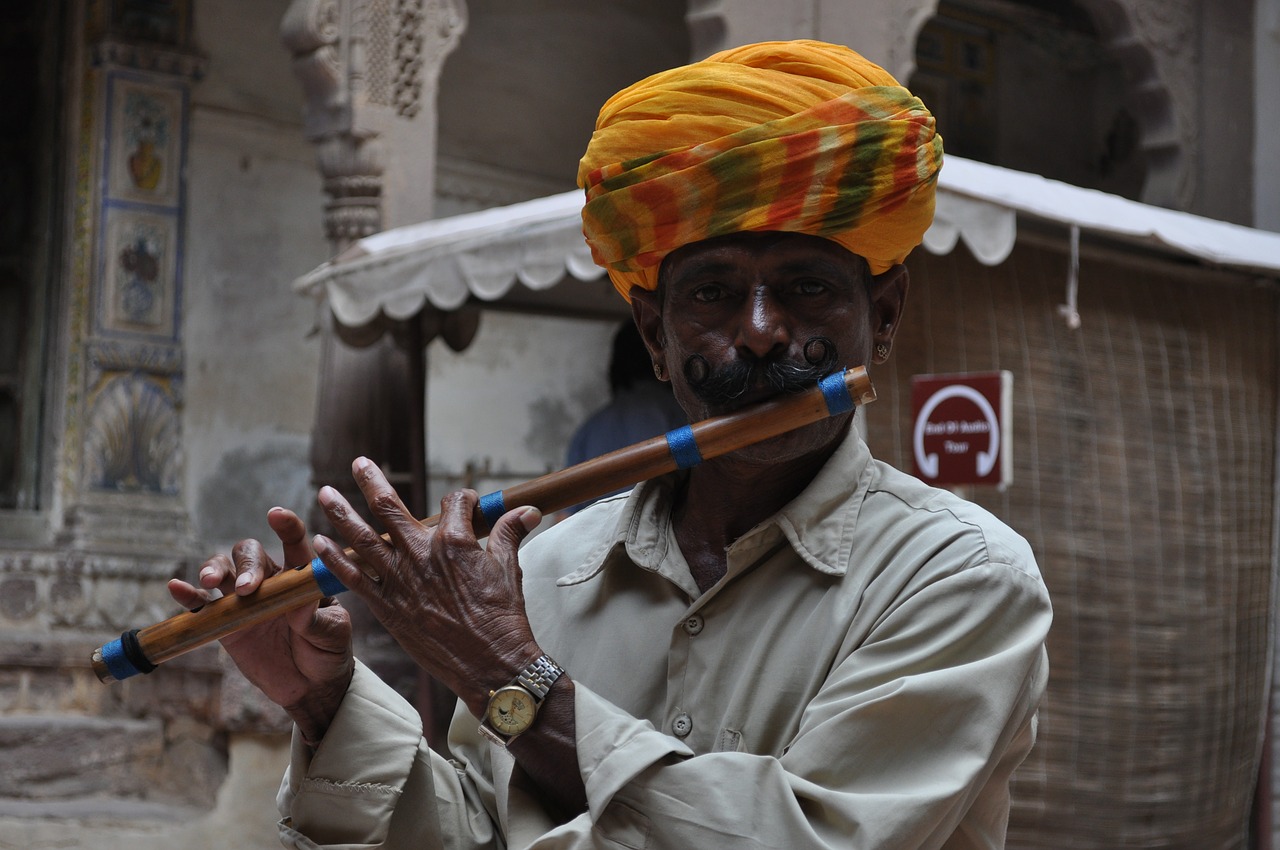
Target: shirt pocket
728,741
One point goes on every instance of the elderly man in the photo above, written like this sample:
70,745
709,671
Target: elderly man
789,646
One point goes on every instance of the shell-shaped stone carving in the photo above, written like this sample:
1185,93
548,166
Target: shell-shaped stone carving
133,443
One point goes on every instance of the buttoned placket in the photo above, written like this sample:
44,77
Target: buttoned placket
753,549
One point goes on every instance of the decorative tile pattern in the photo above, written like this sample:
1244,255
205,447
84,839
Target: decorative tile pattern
145,141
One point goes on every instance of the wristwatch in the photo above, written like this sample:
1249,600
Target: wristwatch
512,708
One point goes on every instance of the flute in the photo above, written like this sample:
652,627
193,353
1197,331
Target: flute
142,650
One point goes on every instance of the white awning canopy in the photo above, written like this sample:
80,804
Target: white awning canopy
539,244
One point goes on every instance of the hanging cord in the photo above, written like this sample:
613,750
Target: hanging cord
1068,311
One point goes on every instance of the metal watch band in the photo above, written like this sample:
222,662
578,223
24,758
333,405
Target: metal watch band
539,676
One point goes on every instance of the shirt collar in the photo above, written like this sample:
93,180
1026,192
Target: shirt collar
819,524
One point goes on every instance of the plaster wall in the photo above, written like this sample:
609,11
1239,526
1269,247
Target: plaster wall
503,411
735,22
521,92
1227,65
884,31
254,223
1266,132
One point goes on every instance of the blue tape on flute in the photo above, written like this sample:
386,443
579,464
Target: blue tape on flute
120,666
493,507
836,393
328,582
684,448
124,657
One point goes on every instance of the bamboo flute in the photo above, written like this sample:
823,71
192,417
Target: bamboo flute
141,650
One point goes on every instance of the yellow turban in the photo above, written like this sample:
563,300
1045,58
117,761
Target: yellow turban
790,135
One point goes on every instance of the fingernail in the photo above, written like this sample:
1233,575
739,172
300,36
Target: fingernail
362,463
243,579
530,518
207,572
326,495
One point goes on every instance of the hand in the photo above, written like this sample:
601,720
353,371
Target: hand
456,608
301,660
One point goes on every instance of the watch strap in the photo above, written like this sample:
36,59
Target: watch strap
538,677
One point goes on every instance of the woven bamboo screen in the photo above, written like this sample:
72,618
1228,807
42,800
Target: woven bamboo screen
1143,478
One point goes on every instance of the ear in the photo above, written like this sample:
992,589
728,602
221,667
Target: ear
646,311
888,293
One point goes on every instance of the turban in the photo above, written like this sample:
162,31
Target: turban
797,136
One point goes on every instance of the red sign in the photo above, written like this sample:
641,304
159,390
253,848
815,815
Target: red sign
961,427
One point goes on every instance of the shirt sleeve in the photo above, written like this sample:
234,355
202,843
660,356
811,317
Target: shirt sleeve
374,783
909,743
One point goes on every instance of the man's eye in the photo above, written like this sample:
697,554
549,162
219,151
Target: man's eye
708,292
811,286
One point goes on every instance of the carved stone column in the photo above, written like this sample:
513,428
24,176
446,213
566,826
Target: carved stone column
370,70
122,456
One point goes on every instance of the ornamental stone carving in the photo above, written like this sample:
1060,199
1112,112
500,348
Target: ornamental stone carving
369,70
1155,41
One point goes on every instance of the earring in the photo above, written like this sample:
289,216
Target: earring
882,351
658,371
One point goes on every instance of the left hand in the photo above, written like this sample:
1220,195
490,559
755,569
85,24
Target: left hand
455,607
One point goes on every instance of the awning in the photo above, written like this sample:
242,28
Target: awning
538,244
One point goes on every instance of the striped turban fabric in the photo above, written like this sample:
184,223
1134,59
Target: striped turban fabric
798,136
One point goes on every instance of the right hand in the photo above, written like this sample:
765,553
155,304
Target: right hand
302,660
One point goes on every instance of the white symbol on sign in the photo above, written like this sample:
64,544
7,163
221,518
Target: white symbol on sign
928,463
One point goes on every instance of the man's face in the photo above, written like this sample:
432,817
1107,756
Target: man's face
733,309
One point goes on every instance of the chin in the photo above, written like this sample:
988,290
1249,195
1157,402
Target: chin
815,438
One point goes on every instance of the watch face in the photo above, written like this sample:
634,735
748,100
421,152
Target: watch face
511,711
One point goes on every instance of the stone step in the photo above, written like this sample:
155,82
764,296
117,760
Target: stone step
99,809
63,757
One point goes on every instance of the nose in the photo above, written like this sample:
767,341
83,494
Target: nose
763,329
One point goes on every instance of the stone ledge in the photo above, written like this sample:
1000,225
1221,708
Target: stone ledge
98,809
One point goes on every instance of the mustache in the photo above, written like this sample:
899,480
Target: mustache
722,386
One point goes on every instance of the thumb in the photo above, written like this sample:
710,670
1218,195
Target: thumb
510,531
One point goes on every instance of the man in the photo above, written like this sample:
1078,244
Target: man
789,646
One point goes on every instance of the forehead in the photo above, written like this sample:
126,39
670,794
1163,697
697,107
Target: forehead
765,251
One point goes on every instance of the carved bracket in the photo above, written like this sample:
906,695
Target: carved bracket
365,65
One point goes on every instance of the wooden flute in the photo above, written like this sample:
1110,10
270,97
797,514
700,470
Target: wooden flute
142,650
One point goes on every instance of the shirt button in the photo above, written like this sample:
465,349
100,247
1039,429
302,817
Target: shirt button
693,625
682,725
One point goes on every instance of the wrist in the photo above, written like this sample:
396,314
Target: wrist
315,713
505,667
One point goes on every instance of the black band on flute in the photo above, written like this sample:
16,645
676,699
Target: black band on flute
133,651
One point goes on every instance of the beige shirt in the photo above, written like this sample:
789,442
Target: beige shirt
865,675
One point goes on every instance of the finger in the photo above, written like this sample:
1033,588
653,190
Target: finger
352,575
327,627
293,534
252,566
510,531
456,510
218,572
187,595
384,501
374,552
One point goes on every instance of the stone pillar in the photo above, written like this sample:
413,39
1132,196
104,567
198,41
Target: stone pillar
121,465
370,69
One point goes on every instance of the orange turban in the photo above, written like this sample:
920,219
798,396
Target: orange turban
788,135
